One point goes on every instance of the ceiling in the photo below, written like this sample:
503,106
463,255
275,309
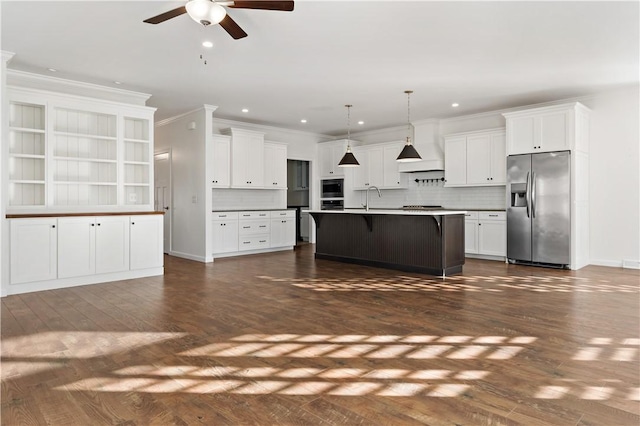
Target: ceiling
309,63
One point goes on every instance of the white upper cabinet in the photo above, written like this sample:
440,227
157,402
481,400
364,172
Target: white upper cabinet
475,158
330,154
73,153
219,156
545,129
378,167
275,166
247,158
455,161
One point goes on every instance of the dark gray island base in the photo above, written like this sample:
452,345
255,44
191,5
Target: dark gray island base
428,243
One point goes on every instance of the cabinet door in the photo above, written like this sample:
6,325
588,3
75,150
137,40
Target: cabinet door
521,135
283,232
225,236
112,244
455,161
471,236
360,174
220,162
330,155
304,226
76,247
390,167
552,132
145,237
492,237
478,160
275,166
375,159
247,161
34,250
498,160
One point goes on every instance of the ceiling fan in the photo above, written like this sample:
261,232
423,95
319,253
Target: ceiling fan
211,12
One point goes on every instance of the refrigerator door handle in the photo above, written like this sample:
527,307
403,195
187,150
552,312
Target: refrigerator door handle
527,194
533,194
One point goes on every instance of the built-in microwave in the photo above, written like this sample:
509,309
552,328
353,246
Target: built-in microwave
332,188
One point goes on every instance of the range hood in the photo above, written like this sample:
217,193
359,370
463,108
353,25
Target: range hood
426,139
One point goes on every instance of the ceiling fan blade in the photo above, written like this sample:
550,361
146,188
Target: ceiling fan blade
166,16
286,6
232,28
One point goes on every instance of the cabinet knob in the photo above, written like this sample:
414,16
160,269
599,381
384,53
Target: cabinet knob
93,224
98,224
53,226
133,223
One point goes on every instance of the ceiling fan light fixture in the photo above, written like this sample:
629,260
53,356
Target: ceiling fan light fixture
205,12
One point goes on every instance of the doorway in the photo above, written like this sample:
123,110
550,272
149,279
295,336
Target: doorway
162,184
298,195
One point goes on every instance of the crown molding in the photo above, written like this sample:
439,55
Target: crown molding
55,84
181,116
7,56
265,128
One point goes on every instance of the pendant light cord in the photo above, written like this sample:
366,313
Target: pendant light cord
349,126
408,92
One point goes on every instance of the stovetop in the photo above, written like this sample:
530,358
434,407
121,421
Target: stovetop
416,207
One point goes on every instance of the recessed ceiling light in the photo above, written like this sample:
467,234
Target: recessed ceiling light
361,122
245,110
303,120
207,44
118,82
52,69
455,105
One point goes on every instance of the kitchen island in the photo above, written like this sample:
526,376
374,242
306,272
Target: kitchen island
430,242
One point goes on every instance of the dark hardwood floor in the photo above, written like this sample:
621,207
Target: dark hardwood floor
284,339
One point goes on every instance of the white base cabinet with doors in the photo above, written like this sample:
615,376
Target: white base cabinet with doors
248,232
475,158
485,234
57,252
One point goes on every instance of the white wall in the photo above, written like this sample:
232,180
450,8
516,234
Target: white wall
614,178
188,182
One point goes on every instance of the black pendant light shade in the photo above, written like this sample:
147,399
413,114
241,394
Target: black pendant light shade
348,160
408,153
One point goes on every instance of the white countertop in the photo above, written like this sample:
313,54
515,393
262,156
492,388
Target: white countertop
393,212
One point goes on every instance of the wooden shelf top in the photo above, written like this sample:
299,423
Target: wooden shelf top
56,214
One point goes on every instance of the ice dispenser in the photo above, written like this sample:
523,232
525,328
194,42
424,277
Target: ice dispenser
518,195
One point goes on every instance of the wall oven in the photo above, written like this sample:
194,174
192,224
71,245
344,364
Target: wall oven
332,204
332,188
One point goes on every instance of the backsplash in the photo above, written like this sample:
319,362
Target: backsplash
433,193
249,199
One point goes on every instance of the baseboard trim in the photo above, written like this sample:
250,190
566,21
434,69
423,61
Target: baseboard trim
86,280
609,263
188,256
631,264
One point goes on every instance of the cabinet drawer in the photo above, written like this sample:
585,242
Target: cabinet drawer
253,243
471,216
225,215
253,227
283,213
493,215
254,215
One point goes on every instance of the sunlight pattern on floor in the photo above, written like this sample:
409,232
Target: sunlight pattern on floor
460,283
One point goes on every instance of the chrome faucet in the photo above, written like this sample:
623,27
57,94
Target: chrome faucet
366,206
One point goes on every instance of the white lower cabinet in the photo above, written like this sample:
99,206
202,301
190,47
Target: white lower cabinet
34,250
225,232
247,232
283,228
60,252
486,233
146,242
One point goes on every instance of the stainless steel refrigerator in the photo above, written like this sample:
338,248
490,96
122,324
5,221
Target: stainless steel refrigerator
539,208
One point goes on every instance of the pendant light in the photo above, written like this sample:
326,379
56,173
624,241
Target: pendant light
409,152
348,160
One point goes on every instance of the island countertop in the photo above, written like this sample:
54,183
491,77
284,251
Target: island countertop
391,212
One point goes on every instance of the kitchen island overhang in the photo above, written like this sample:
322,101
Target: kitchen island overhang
429,242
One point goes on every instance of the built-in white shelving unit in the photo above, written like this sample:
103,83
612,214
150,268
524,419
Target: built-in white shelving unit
27,153
76,153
